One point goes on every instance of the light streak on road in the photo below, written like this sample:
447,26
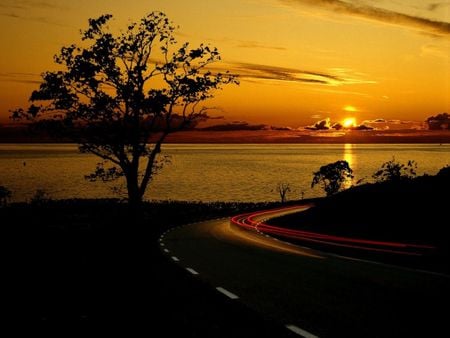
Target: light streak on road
255,222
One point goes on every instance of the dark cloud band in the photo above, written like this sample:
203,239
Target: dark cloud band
252,72
378,14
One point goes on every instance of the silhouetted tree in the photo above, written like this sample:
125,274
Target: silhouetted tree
40,197
283,189
5,195
332,176
118,95
395,171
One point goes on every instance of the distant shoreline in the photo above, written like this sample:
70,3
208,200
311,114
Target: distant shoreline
8,135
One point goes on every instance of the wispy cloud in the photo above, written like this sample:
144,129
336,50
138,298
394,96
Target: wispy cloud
251,44
358,9
39,19
28,4
336,77
379,120
20,10
438,5
10,15
349,76
265,72
434,50
254,44
20,77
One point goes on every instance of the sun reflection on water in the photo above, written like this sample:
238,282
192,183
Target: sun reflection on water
351,160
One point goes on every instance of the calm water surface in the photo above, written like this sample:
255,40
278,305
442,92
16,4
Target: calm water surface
206,172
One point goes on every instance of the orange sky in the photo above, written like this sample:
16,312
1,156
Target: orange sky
298,60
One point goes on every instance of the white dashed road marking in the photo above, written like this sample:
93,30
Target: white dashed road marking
227,293
301,332
192,271
175,259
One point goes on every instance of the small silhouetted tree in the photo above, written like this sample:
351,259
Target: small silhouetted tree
119,95
283,189
40,197
332,176
5,196
395,171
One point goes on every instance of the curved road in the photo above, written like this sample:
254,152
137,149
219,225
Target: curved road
312,293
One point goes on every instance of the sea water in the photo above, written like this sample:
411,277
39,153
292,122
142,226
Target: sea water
207,172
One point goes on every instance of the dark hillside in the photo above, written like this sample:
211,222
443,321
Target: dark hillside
411,211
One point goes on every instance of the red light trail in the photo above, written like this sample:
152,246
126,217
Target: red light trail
248,221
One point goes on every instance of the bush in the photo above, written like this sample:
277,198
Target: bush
40,197
5,196
395,171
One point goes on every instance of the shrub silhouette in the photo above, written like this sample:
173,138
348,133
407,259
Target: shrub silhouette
5,196
332,176
395,171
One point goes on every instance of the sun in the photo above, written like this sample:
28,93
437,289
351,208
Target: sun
349,122
350,109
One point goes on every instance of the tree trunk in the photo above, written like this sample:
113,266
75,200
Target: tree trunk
134,201
134,195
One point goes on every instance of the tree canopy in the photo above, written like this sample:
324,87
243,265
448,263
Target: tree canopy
118,95
332,176
5,195
396,171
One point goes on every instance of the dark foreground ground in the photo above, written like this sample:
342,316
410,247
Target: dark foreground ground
82,266
92,266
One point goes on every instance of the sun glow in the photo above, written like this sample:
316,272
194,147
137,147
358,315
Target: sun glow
349,122
350,109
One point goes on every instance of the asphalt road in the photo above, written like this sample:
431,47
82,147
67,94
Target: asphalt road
313,293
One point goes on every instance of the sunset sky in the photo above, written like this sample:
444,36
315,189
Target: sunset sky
299,61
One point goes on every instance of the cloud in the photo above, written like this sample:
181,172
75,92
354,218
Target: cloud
286,128
362,127
316,116
385,124
437,5
324,124
433,50
265,72
33,19
254,44
379,120
11,15
28,4
251,44
20,9
235,125
349,76
439,122
357,9
243,126
21,77
327,124
250,71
